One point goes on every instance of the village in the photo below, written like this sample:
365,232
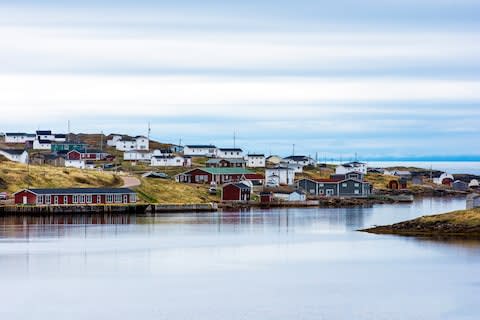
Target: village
224,175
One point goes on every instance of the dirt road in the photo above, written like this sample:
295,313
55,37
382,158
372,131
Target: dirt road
130,182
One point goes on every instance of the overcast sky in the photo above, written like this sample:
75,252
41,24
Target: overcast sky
375,77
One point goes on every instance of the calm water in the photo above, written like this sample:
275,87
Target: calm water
281,264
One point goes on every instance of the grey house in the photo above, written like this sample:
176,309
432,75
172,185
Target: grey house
460,185
347,187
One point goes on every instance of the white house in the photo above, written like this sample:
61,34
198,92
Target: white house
42,144
297,168
60,137
354,166
128,144
230,153
15,155
256,161
112,142
289,195
279,175
200,151
45,135
19,137
443,176
137,155
474,184
300,160
79,164
142,143
170,161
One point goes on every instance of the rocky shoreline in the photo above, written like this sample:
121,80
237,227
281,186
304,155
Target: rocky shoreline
464,223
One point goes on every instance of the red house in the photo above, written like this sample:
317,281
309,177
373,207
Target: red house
236,192
88,154
217,175
397,184
75,196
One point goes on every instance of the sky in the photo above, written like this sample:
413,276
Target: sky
376,78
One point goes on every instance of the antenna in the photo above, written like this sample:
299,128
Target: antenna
293,149
234,138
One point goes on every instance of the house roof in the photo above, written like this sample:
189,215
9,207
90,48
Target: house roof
44,141
65,191
239,185
44,132
254,176
166,156
60,135
230,149
200,146
13,151
222,170
19,134
217,160
298,158
256,155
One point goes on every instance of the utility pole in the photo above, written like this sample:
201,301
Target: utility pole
68,131
234,139
101,141
293,149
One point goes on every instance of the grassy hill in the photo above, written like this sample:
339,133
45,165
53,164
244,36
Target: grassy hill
14,176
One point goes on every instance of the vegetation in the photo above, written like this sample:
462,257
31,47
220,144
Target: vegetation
457,223
14,176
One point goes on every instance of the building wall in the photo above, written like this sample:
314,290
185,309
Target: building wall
20,158
168,162
200,152
229,154
256,161
285,176
62,199
18,139
137,156
41,146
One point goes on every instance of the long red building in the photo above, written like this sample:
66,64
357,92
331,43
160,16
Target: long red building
73,196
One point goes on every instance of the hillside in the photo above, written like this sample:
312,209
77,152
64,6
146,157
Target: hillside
458,223
14,176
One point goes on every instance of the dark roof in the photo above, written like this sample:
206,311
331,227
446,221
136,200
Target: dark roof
44,141
94,151
60,135
200,146
19,134
353,163
230,149
13,151
298,158
44,132
217,160
165,156
82,191
239,185
256,155
136,137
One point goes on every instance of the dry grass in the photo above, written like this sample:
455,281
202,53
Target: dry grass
169,191
14,176
379,181
469,217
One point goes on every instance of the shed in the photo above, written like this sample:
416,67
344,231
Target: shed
460,185
236,192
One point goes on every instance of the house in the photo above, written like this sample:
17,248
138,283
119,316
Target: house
225,163
402,174
40,144
231,153
474,184
266,197
300,160
444,179
279,175
15,155
44,135
332,187
417,179
256,179
176,148
19,137
288,195
75,163
273,160
256,160
48,159
236,191
74,196
136,143
67,146
155,175
170,160
297,168
351,166
200,150
460,185
397,184
60,137
89,154
209,175
113,139
473,201
137,155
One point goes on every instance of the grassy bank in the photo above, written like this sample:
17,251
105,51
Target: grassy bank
464,223
14,176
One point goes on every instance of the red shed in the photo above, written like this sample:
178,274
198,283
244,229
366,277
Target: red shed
447,182
217,175
75,196
266,197
236,192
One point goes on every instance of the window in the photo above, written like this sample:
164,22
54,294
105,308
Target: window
133,197
357,191
321,192
39,199
321,185
330,192
75,199
344,185
118,198
357,185
89,199
65,199
48,199
82,199
312,191
55,200
109,198
99,199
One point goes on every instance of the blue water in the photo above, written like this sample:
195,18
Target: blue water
278,264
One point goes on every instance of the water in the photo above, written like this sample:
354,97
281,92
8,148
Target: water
278,264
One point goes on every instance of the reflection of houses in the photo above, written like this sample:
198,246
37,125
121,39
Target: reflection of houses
208,175
473,201
354,166
256,160
75,196
15,155
236,192
225,163
336,186
279,175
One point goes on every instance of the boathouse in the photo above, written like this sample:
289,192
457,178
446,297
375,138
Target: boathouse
236,192
75,196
